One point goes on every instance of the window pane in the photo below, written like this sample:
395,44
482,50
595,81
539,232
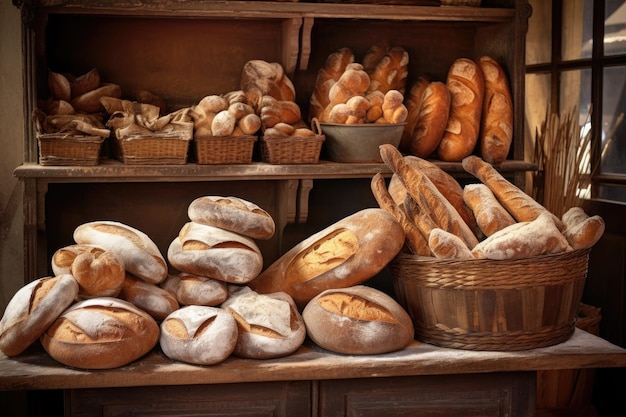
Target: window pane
537,102
538,38
615,27
577,36
612,192
576,92
614,131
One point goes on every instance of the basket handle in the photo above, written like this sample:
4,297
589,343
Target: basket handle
316,127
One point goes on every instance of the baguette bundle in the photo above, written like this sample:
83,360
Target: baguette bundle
506,222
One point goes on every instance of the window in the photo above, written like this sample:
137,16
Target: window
576,62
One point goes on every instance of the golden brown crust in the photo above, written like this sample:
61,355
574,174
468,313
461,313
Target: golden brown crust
489,213
432,120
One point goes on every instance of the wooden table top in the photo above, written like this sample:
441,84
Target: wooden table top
34,369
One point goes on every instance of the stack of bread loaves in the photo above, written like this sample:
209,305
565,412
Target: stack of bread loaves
348,92
492,219
472,109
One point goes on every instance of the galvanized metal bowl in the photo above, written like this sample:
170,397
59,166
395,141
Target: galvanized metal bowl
359,142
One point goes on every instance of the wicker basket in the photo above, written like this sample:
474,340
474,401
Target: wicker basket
64,149
487,304
213,150
293,149
157,148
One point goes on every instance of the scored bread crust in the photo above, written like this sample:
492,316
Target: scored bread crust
215,253
432,120
489,213
344,254
233,214
151,298
140,254
191,289
32,309
100,333
358,320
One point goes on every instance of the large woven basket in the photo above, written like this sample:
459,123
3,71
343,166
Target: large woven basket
494,305
212,150
64,149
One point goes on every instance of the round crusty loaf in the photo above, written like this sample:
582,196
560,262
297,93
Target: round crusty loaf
32,309
191,289
233,214
357,320
98,275
100,333
344,254
199,334
62,259
270,325
139,253
151,298
215,253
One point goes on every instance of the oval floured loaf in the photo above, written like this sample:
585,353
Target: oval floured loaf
140,254
151,298
215,253
357,320
32,309
233,214
191,289
101,333
200,335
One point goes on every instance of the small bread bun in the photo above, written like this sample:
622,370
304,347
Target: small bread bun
215,253
140,254
151,298
344,254
270,325
359,320
100,333
98,275
581,230
190,289
62,259
233,214
199,334
33,309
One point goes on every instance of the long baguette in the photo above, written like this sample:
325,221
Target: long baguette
521,206
424,192
415,241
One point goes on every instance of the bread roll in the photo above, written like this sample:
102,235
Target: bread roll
32,309
140,254
582,231
344,254
234,214
59,86
394,110
353,82
270,325
89,102
496,132
467,88
431,120
415,241
520,205
216,253
62,258
151,298
190,289
98,275
426,194
524,240
85,82
445,245
223,124
448,186
359,320
390,71
412,102
489,213
327,76
100,333
199,335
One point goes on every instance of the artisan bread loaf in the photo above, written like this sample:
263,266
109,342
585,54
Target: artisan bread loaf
431,121
489,213
413,102
581,230
270,325
524,240
32,309
344,254
445,245
151,298
190,289
496,132
234,214
100,333
327,76
520,205
261,78
358,320
390,71
215,253
467,88
199,335
98,275
140,254
62,258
